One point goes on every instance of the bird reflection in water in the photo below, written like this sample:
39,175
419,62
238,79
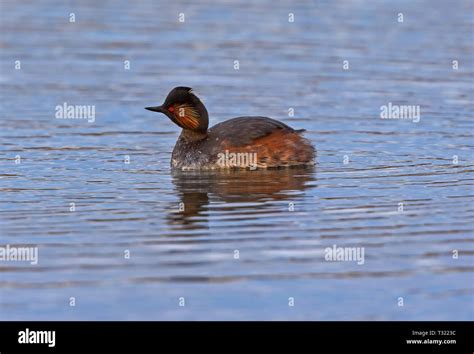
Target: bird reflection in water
198,189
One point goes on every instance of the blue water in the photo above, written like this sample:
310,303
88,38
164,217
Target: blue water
280,222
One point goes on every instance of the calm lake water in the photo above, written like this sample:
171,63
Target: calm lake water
278,222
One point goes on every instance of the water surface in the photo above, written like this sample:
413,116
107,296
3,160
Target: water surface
183,231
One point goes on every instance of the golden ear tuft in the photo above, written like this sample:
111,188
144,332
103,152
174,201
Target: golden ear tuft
187,116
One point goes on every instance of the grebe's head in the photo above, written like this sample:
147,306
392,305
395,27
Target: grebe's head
185,109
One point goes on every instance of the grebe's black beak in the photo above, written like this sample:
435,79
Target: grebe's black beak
155,109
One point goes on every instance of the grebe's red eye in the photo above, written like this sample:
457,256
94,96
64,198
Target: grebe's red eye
171,108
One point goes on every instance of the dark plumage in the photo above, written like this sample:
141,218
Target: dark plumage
242,130
242,142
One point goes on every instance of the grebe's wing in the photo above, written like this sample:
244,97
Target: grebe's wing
243,130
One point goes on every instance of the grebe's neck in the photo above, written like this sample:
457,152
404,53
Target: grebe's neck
191,135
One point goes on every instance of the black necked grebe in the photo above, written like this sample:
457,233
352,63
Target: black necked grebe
242,142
